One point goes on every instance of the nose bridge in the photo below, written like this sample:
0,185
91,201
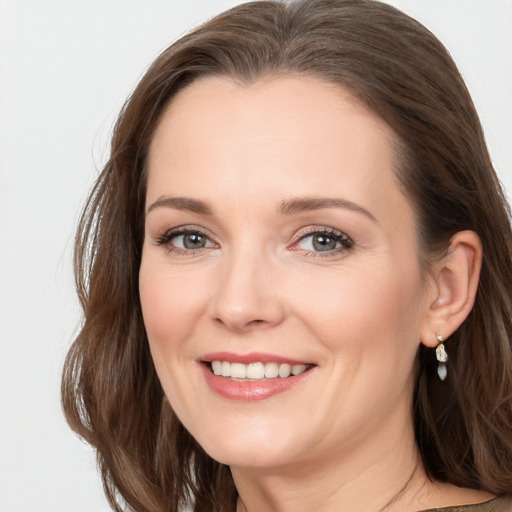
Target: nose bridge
246,296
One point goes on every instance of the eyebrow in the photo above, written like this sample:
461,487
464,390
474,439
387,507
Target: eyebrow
182,203
286,207
301,204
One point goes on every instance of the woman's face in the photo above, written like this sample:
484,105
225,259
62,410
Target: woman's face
278,242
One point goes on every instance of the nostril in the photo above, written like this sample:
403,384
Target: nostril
243,325
255,323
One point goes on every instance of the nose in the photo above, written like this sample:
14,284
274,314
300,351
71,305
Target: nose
248,294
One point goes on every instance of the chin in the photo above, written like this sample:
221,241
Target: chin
253,456
258,447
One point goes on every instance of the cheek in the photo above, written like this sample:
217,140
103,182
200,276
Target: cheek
171,307
368,322
170,302
366,304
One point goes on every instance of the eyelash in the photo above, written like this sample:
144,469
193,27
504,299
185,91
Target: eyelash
165,240
346,243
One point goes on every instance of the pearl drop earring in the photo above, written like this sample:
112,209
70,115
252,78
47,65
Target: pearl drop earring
442,358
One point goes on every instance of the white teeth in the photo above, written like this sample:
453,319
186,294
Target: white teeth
238,371
298,369
285,370
217,367
271,370
226,369
256,371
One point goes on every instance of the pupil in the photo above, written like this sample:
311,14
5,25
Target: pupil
193,241
324,243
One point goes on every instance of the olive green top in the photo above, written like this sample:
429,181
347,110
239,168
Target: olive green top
501,504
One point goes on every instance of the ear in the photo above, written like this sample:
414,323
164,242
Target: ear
454,283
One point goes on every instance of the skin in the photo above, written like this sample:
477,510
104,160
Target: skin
343,436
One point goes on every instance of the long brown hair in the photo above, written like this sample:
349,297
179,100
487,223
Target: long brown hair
396,67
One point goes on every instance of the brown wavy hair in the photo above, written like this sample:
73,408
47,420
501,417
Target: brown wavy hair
110,391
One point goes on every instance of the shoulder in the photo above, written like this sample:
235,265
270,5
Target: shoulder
500,504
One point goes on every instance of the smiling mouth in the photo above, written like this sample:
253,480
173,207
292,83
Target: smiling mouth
257,371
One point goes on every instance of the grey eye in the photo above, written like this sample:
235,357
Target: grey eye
323,242
192,240
186,240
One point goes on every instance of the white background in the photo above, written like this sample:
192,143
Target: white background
65,69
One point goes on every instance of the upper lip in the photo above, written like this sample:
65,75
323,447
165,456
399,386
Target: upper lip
251,357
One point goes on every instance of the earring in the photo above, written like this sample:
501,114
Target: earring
442,358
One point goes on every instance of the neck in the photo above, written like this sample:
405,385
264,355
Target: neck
385,476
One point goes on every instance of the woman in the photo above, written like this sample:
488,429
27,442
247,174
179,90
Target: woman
299,210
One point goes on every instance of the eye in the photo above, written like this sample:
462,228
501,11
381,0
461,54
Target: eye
325,241
185,240
190,241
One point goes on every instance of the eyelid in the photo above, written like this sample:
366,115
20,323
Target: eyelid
165,237
345,240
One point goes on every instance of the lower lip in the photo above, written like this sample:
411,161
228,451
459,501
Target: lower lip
247,391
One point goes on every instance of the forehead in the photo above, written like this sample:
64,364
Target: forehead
280,100
280,124
247,149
